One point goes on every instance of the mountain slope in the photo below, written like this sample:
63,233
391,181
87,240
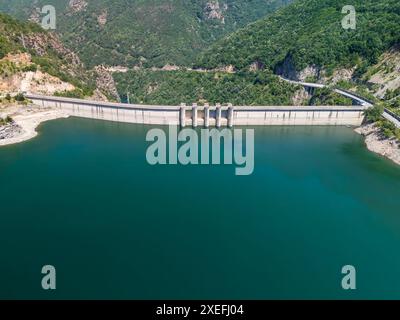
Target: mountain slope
175,87
309,34
144,32
30,54
36,61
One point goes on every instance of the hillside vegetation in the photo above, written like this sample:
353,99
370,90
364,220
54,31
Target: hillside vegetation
175,87
144,32
309,32
303,39
42,51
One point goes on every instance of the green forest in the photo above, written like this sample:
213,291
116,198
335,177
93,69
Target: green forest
310,32
146,32
175,87
11,31
152,33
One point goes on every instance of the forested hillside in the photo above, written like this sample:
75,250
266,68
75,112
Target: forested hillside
143,32
175,87
310,33
302,40
26,47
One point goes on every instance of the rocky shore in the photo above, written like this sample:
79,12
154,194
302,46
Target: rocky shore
24,124
10,131
378,143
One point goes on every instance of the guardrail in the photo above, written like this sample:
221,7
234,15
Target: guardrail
394,115
350,94
100,103
176,108
356,95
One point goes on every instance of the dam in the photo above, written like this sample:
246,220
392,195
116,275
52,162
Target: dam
194,115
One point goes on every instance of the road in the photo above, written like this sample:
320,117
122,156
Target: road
351,95
392,117
387,114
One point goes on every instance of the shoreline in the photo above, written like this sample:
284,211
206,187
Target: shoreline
379,144
26,122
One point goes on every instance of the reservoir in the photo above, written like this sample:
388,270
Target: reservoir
82,197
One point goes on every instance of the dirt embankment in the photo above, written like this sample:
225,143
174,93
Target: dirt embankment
19,74
25,120
378,143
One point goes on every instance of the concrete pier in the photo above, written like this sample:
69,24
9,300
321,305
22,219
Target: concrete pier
206,115
195,110
230,115
218,115
182,115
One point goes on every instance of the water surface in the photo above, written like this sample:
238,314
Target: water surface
82,197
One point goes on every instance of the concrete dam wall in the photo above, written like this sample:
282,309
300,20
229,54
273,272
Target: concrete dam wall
218,115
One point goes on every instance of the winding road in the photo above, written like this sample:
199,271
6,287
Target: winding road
392,117
387,114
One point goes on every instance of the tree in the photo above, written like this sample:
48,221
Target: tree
19,97
374,114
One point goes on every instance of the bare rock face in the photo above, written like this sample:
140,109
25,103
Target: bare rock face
37,82
287,69
152,88
169,67
77,5
105,82
213,10
19,59
98,96
342,74
387,75
34,82
227,69
256,66
35,15
378,143
42,42
102,18
309,72
301,97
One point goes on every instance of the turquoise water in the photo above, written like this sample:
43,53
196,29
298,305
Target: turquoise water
82,197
